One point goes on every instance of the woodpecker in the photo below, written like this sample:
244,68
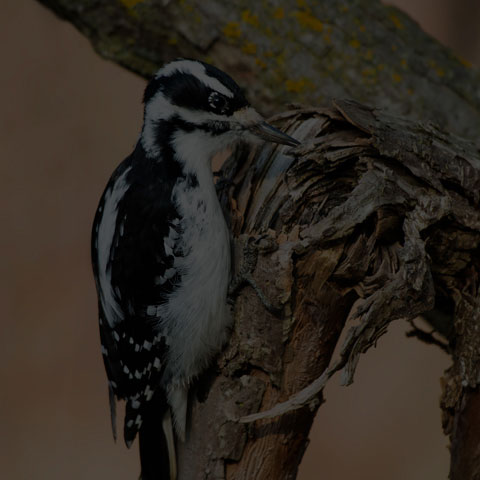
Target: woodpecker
161,254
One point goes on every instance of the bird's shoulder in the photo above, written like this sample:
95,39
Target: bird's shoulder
144,227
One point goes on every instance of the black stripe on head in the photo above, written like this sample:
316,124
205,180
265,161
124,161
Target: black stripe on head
186,90
165,129
152,88
226,80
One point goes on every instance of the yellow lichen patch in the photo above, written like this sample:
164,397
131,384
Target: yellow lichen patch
130,3
307,20
173,40
249,48
232,30
261,63
250,18
403,62
298,85
410,91
268,31
362,28
397,78
369,72
438,70
302,3
396,21
278,13
369,54
327,39
354,43
187,7
280,59
465,62
380,67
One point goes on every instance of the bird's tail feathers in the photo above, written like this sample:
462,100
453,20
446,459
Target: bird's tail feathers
157,443
113,411
167,427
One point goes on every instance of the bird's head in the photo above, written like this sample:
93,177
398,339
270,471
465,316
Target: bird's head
196,109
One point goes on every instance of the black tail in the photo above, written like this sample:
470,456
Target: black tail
155,458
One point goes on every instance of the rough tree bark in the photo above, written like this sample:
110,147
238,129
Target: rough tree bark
374,218
307,50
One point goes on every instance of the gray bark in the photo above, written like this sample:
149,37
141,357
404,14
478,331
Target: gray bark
374,218
309,51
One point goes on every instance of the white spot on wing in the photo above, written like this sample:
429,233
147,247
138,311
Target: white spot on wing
148,393
169,273
168,249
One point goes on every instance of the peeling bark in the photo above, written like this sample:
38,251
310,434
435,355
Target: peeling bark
372,219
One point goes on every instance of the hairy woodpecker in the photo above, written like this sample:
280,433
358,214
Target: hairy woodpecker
161,253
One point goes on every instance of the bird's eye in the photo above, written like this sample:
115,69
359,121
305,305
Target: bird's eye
218,103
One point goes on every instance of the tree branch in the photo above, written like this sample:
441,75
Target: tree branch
309,51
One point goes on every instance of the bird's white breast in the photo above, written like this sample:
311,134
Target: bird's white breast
196,312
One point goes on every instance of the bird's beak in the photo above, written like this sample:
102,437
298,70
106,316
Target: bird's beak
266,132
250,120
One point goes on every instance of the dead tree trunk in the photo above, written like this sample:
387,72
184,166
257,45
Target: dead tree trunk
371,220
374,218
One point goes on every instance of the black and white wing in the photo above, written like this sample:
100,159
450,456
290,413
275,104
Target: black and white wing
134,230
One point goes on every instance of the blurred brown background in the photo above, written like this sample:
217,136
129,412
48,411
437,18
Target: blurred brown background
67,118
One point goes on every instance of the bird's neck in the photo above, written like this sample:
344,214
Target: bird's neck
193,150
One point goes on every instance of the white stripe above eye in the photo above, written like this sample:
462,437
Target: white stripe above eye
197,70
